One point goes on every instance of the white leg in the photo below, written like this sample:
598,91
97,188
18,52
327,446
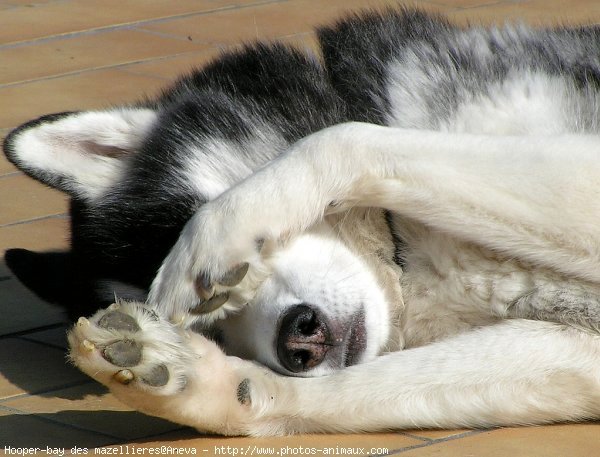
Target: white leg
517,372
530,197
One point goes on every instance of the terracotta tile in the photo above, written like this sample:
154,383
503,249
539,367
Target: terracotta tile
170,68
37,19
30,367
83,415
580,440
24,431
96,89
262,22
207,445
91,407
437,434
5,166
45,234
468,3
534,12
64,56
24,199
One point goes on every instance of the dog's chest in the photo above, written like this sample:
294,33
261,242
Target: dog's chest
450,286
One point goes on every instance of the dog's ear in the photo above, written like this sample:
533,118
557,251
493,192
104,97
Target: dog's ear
80,153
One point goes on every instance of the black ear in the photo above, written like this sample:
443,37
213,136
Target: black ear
80,153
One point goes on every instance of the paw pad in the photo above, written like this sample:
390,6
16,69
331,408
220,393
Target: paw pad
243,392
116,320
124,353
158,376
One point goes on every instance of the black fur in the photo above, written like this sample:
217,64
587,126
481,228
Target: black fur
126,235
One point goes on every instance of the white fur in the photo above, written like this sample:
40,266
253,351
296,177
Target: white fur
498,205
221,163
337,281
485,232
75,147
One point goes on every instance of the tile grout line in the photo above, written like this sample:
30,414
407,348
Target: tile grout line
11,174
204,48
417,437
491,3
133,24
170,36
92,69
33,330
45,392
166,432
46,419
42,343
35,219
144,74
437,441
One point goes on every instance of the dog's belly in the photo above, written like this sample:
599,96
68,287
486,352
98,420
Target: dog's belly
524,102
450,286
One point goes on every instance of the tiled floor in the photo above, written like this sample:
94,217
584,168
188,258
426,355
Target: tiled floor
57,55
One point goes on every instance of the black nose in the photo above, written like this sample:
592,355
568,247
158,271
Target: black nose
303,339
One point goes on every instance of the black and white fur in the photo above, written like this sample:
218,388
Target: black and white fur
402,232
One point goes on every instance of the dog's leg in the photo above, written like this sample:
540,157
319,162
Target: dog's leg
517,372
575,304
530,197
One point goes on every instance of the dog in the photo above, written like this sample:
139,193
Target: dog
399,232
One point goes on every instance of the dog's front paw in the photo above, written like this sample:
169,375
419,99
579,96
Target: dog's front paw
163,370
214,268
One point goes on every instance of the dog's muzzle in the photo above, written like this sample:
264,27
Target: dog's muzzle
306,339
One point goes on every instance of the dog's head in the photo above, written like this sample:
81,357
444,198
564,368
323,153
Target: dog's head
329,302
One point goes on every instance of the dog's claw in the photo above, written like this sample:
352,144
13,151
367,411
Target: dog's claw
123,376
234,276
211,304
88,345
204,289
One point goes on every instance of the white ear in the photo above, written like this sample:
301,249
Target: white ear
80,153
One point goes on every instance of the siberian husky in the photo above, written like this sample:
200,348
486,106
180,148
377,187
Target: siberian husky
403,231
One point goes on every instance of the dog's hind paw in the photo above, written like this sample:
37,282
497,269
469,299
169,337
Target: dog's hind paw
166,371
